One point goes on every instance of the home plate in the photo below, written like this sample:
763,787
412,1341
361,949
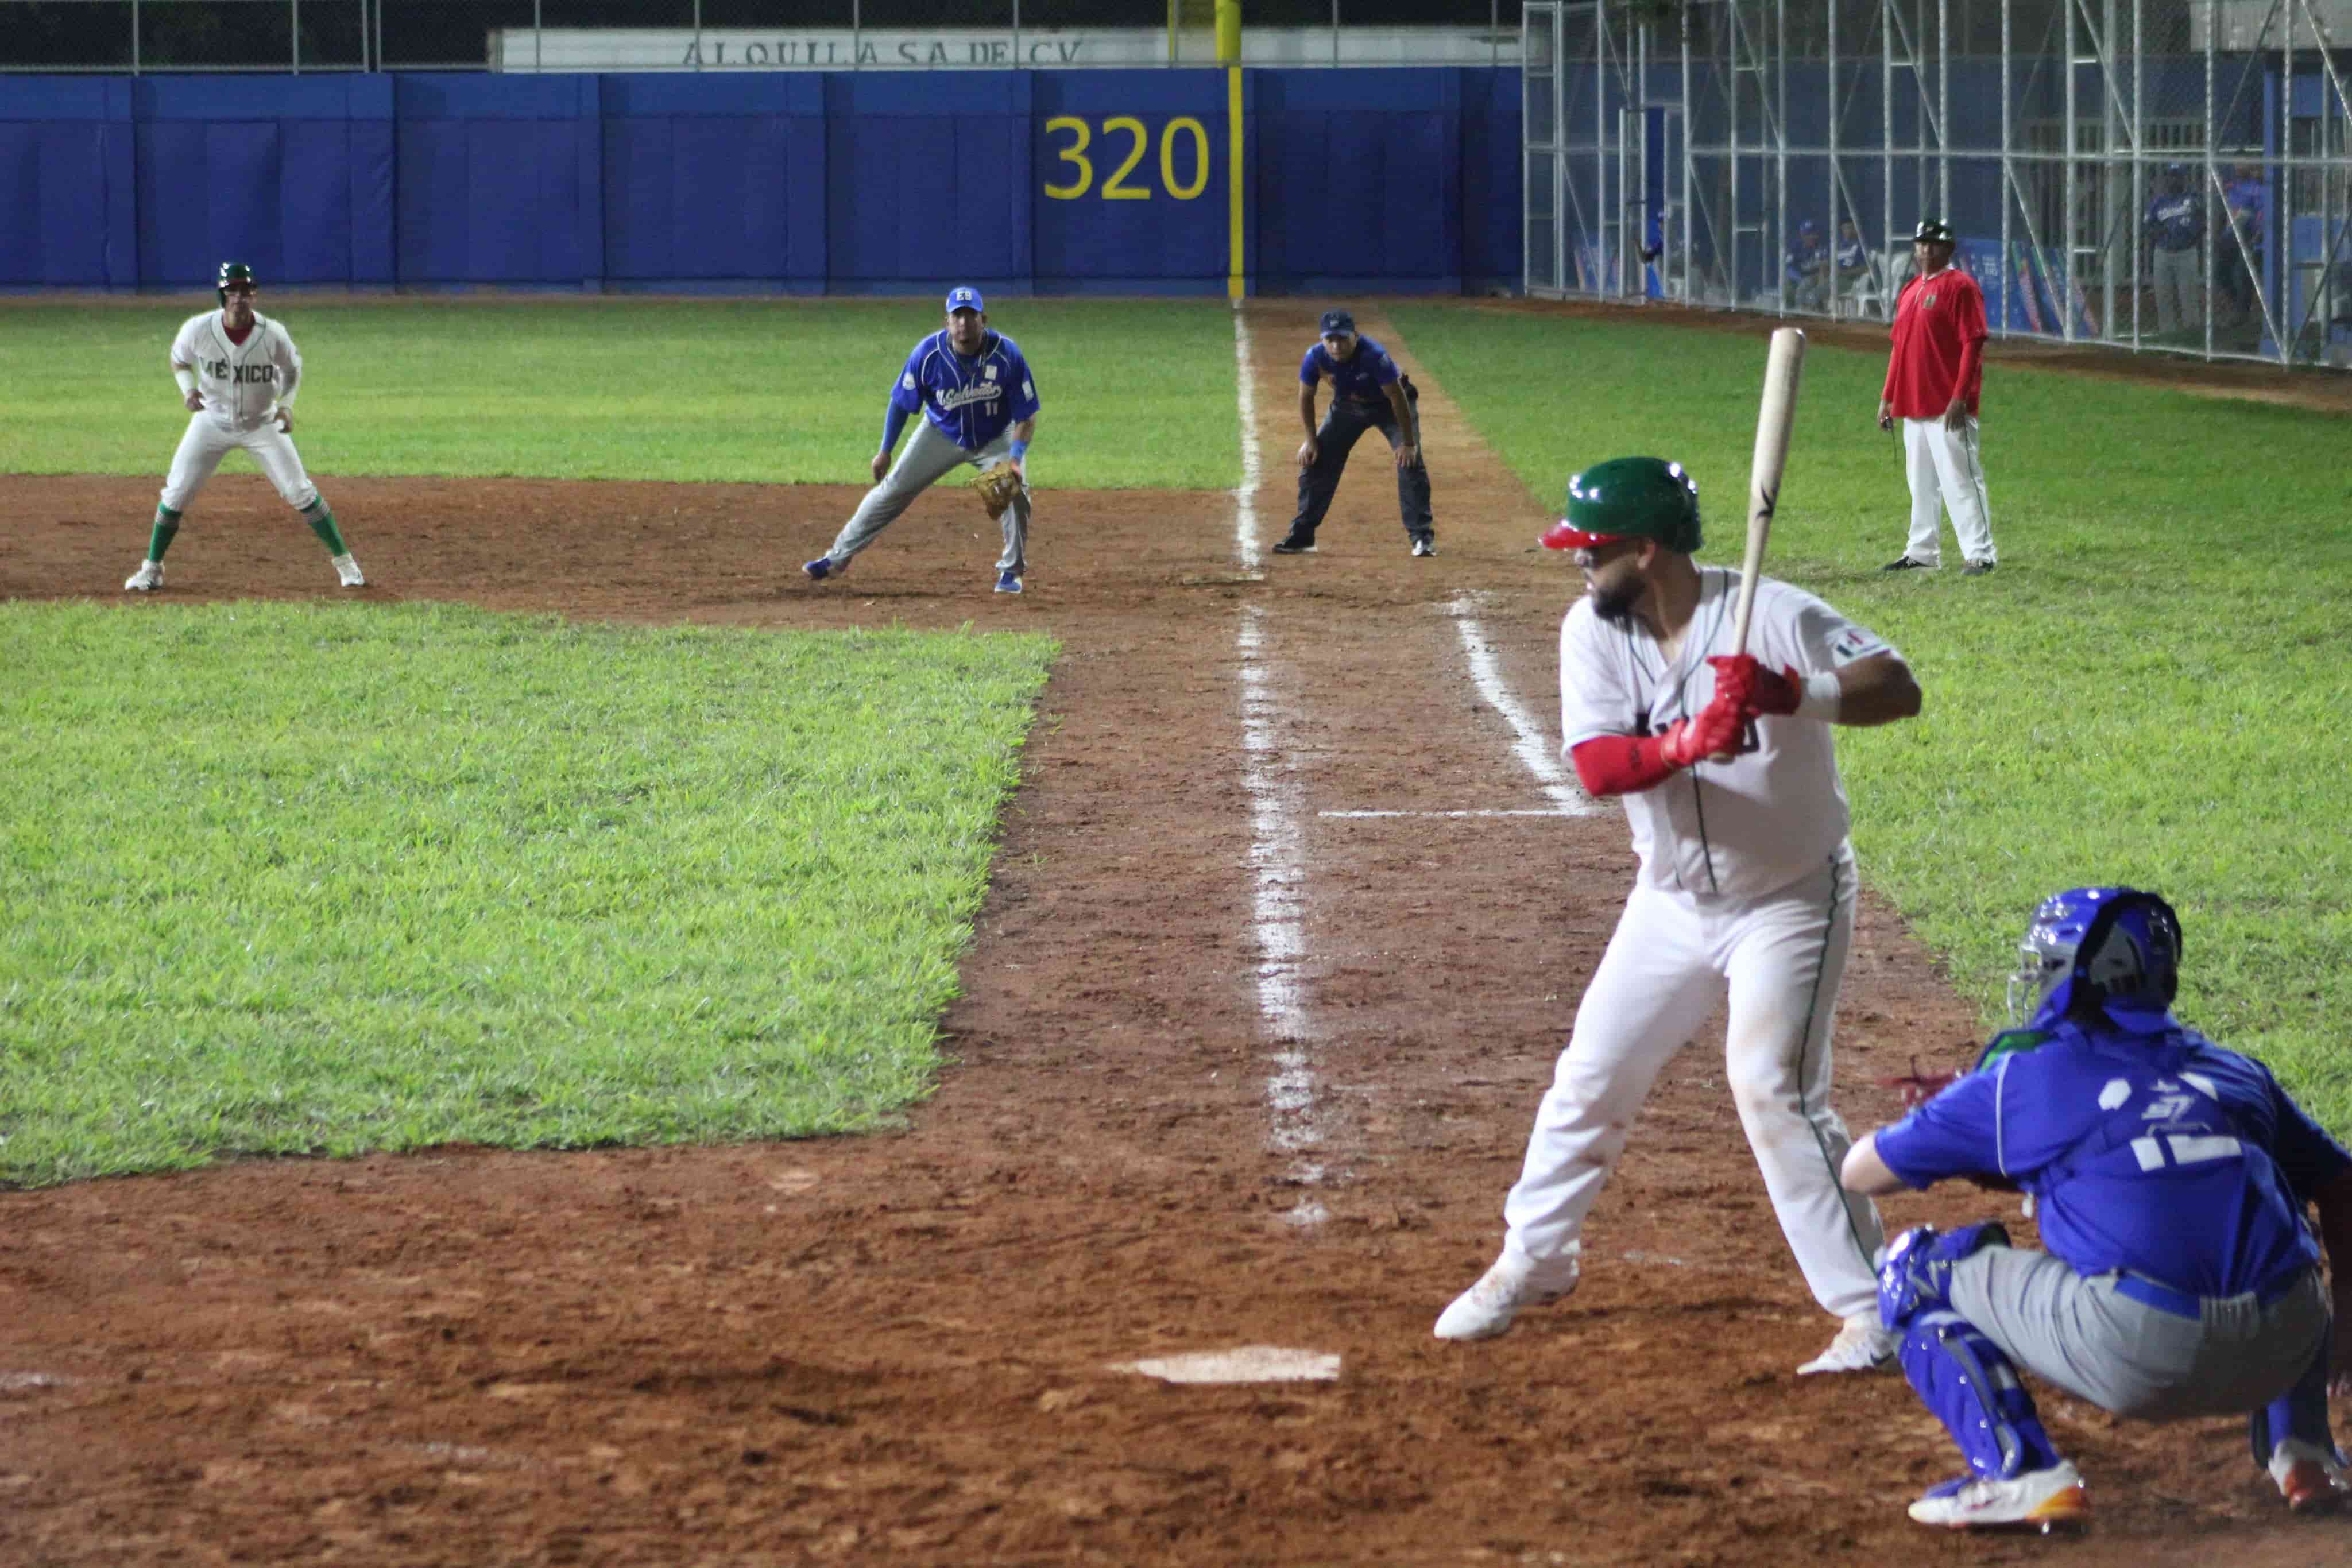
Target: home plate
1249,1363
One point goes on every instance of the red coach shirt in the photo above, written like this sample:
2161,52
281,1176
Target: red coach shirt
1939,333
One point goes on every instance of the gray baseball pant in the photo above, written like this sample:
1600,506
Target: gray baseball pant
2133,1359
927,457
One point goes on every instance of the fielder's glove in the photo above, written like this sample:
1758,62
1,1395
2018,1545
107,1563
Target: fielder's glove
996,487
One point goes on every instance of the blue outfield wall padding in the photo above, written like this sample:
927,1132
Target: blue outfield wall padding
68,180
1130,177
498,183
924,176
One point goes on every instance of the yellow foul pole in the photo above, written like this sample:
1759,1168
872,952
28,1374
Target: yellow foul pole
1229,55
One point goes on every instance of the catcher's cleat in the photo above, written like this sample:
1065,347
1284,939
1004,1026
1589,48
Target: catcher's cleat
820,568
1423,544
2038,1500
1862,1344
2309,1481
147,578
1487,1308
348,574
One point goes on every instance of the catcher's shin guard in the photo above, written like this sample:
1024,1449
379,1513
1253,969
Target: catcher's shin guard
2300,1414
1916,1274
1973,1389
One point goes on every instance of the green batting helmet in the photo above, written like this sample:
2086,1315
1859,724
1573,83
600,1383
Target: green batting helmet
1629,498
234,272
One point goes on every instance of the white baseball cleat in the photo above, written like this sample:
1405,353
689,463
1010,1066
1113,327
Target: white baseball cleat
1487,1308
347,571
2034,1500
2311,1480
1862,1344
147,578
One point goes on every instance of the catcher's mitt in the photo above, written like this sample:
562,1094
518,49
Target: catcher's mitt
1916,1087
996,487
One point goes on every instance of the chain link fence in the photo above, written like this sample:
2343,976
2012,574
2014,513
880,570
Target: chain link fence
2185,183
311,35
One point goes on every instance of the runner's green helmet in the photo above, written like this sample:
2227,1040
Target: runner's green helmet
1629,498
234,272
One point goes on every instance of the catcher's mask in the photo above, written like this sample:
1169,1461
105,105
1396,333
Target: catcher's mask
2114,950
1629,498
232,272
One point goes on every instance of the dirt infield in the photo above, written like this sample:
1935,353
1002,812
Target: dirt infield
906,1349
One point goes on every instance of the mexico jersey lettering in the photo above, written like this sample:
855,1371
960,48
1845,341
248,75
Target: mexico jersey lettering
1737,828
970,401
241,383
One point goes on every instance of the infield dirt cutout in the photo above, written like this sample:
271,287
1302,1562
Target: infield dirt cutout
911,1348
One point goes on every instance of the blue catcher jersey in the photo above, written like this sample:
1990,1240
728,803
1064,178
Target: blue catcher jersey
970,401
1358,379
2159,1154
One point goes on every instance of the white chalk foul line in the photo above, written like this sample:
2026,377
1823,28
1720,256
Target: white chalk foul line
1530,741
1277,849
1532,812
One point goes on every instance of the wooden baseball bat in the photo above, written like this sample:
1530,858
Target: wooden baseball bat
1774,416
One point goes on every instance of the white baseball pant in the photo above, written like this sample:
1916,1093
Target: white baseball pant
1947,474
207,441
1778,960
926,458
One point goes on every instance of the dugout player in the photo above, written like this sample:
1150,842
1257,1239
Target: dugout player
1934,377
1368,392
980,406
1746,891
2169,1177
238,372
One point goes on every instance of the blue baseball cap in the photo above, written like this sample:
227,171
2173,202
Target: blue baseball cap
964,299
1338,321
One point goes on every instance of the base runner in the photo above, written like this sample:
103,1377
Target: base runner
238,372
1746,892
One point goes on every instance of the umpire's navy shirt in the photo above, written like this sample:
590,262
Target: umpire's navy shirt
1360,378
2161,1154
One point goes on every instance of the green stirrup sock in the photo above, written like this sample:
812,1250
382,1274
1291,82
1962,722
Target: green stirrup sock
167,523
322,523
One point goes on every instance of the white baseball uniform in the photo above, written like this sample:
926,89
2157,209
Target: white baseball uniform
1746,889
244,385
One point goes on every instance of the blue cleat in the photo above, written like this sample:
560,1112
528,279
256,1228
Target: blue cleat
1008,583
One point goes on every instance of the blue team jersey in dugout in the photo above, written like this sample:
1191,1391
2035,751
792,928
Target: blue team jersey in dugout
1360,378
2159,1154
970,399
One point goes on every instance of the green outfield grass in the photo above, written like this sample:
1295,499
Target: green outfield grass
296,878
782,390
2150,690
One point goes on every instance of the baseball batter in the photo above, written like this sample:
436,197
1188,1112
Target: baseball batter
1746,889
979,404
1368,392
238,372
2170,1179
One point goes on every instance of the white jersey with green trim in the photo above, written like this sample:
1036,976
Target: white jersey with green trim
1741,827
244,384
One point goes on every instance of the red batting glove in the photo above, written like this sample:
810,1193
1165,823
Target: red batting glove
1714,732
1756,689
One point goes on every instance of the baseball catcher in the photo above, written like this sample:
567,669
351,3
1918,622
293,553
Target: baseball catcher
2169,1177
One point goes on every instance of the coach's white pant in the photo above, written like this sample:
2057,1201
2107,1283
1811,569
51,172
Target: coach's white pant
927,457
207,441
1946,472
1780,959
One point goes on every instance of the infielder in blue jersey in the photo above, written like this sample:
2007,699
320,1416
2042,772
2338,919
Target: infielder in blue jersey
2169,1177
1368,392
979,404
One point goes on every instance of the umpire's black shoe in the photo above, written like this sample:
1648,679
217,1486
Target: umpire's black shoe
1293,545
1904,563
1976,569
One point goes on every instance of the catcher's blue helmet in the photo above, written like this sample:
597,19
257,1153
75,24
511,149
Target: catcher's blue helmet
2113,949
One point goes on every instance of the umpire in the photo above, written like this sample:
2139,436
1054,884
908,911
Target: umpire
1368,392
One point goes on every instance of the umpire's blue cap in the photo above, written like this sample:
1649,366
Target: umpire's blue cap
1338,321
964,299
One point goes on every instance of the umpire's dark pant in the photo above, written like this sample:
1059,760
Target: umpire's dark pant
1343,423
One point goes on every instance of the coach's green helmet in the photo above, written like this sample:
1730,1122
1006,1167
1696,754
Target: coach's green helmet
234,272
1629,498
